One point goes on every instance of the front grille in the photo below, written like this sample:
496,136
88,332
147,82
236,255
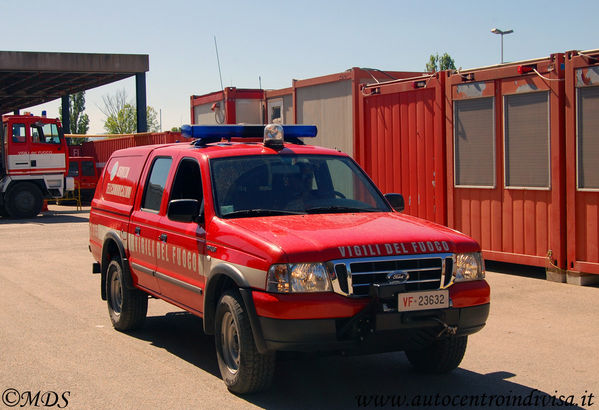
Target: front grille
426,272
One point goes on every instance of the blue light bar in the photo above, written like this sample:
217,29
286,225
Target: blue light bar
218,132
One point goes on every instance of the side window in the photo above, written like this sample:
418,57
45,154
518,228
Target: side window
155,184
18,133
188,181
87,169
45,134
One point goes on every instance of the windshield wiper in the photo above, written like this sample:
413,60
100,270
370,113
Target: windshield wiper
259,212
338,209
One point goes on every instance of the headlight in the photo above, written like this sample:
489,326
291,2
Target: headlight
299,277
468,266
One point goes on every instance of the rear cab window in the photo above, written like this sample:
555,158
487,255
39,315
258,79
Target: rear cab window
155,184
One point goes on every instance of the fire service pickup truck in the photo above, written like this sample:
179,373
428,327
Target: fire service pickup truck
280,246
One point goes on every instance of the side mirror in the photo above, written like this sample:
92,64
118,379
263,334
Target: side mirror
396,201
183,210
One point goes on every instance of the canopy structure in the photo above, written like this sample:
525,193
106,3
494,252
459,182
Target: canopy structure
32,78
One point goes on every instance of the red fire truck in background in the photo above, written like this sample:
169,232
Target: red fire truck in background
84,172
33,164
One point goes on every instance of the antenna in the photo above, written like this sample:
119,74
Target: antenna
216,116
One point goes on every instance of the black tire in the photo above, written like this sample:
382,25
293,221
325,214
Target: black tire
24,200
3,212
242,367
441,357
127,307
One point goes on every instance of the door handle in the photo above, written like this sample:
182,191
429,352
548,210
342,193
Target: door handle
137,230
163,237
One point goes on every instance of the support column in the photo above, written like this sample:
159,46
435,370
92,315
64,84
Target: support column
140,98
66,115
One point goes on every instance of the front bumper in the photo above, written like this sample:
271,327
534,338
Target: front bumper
360,326
373,332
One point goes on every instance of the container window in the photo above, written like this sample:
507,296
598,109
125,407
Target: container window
527,140
588,140
474,143
275,111
155,184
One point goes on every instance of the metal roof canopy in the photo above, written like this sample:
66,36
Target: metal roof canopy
32,78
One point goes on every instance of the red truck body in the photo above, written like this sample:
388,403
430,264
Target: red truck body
33,164
281,247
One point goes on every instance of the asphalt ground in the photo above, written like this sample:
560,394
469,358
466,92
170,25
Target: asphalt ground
541,342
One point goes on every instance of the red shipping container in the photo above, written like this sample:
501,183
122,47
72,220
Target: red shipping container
331,102
401,142
230,106
582,152
102,149
506,164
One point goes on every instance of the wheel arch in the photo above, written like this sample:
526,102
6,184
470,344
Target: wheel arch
113,247
222,278
225,277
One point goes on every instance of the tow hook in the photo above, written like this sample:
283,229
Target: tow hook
447,330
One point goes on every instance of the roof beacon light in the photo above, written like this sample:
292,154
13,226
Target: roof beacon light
274,136
206,134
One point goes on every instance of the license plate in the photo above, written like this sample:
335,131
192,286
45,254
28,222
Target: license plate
430,299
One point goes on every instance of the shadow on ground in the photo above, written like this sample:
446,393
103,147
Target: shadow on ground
373,381
535,272
51,217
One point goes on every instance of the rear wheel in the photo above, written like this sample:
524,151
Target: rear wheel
243,368
441,357
24,200
127,307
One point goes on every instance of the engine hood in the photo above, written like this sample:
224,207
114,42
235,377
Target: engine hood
323,237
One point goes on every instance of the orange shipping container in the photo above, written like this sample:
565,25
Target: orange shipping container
582,127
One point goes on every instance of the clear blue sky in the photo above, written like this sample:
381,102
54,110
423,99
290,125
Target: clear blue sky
279,41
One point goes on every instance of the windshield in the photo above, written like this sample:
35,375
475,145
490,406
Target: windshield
291,184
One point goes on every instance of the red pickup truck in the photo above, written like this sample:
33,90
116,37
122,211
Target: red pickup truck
278,245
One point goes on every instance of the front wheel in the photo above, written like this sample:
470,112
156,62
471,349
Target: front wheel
127,307
441,357
24,200
243,368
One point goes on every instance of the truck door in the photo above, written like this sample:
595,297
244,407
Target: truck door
47,153
143,235
17,151
180,266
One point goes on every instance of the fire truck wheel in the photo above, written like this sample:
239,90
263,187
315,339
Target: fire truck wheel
127,307
24,200
441,357
3,212
243,368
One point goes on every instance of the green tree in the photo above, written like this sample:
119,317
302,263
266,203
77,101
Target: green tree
440,63
121,115
79,121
